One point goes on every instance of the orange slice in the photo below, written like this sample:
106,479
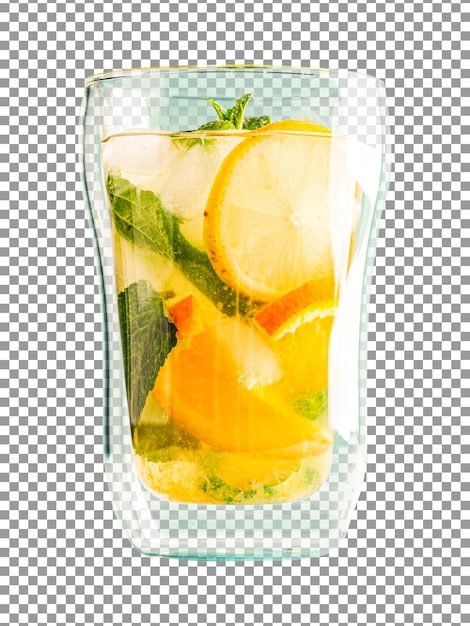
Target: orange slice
304,355
294,308
219,386
186,316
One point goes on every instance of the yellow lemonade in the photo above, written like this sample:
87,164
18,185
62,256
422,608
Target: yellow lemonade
230,244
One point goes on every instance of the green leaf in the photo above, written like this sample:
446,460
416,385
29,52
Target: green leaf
197,268
230,119
252,123
140,218
218,125
313,406
236,114
222,491
147,338
153,440
221,112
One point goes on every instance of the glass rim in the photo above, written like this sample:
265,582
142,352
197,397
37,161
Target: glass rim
121,73
224,134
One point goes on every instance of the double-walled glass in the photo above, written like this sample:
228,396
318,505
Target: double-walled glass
234,213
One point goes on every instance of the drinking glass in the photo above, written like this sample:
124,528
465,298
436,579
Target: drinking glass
234,212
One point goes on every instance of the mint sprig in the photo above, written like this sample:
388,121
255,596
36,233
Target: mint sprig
147,337
234,115
253,123
141,219
229,119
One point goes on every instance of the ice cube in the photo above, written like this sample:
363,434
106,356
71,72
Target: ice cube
255,362
187,187
146,159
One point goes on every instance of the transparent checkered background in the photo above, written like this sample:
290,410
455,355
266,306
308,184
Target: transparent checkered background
406,558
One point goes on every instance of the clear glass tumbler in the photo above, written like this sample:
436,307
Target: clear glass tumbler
234,212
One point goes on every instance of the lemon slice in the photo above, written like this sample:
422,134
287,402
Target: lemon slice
268,219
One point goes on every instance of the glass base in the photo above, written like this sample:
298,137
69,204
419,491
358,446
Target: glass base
303,529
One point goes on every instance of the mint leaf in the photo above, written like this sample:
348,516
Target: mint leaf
147,338
252,123
140,218
222,491
229,119
197,268
236,114
313,406
219,109
153,440
218,125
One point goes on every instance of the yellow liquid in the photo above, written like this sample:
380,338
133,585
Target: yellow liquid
236,416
